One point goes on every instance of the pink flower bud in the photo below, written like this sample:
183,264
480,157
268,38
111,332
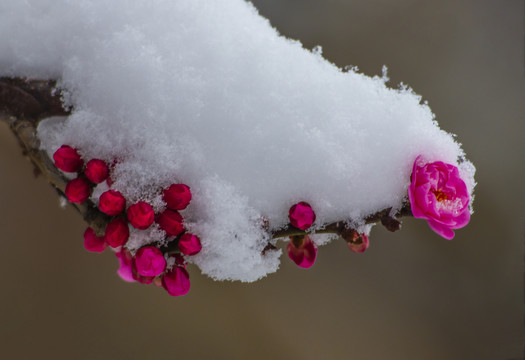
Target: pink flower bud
140,278
94,243
359,243
177,196
189,244
301,215
77,190
96,171
111,203
177,281
302,251
439,195
149,261
171,222
68,159
125,260
141,215
117,232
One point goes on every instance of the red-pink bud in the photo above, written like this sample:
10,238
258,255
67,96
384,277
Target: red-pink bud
94,243
302,252
177,281
171,222
141,215
68,159
189,244
117,232
77,190
177,196
359,243
301,215
125,260
111,203
140,278
96,171
149,261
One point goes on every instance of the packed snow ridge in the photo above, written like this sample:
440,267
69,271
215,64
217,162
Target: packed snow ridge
207,93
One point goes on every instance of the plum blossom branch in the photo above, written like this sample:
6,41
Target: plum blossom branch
388,220
24,103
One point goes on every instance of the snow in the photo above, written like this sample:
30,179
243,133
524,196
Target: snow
207,93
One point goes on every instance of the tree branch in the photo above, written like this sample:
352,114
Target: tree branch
24,103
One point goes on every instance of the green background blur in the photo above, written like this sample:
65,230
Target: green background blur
412,295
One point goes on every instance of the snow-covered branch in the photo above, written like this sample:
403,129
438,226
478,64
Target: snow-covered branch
24,103
206,95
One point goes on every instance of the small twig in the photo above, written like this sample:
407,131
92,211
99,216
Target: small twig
338,227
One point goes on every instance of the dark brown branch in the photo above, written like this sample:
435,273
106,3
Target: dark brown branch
390,222
24,103
29,99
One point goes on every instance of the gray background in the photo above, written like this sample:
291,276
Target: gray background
412,295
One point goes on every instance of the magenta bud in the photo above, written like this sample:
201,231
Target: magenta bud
177,196
301,215
177,281
94,243
302,251
189,244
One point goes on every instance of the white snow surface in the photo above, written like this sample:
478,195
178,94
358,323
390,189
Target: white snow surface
207,93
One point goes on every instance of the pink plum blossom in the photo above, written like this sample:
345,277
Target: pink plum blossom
302,251
439,195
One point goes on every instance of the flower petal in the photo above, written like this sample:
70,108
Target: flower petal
441,229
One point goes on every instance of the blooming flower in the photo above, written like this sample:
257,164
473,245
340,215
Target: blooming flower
302,251
439,195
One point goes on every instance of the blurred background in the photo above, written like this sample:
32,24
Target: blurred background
412,295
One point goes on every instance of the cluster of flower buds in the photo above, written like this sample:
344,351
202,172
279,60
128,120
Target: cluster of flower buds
302,250
149,264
